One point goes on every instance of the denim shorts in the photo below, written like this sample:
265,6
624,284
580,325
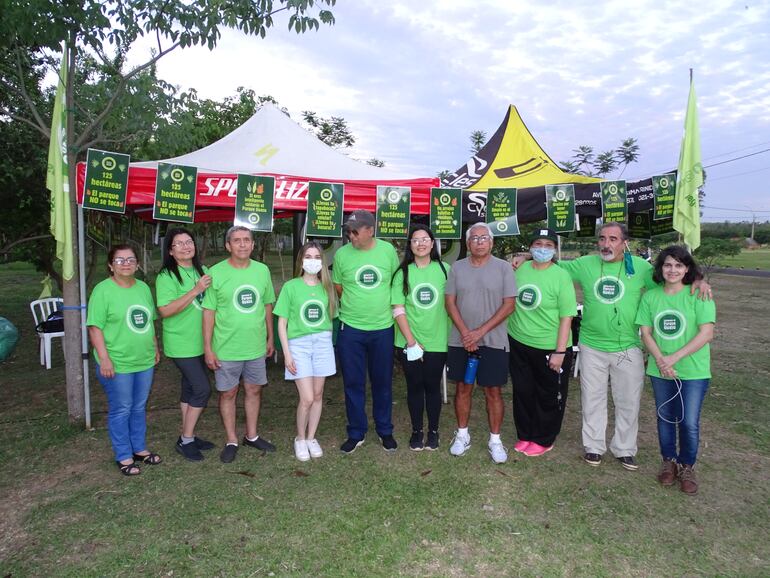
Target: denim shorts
313,356
229,374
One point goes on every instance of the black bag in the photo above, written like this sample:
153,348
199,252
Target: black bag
53,324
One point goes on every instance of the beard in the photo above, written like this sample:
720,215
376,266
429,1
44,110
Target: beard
607,256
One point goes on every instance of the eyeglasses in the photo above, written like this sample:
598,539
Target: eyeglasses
479,238
354,232
187,243
124,260
421,241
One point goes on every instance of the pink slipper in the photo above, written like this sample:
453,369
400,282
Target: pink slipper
521,446
534,449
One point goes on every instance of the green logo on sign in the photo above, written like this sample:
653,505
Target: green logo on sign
138,319
529,297
670,324
246,298
109,164
312,313
609,289
424,295
368,277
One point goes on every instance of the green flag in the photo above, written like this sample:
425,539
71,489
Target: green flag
689,178
57,178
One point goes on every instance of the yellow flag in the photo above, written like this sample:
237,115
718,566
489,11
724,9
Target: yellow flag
57,179
689,178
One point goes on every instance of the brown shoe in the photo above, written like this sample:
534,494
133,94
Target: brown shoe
687,482
667,475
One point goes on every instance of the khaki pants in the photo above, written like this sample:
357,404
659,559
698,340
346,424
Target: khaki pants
624,371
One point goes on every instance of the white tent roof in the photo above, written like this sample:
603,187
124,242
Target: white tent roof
296,152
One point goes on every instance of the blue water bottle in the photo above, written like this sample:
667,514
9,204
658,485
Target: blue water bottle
471,366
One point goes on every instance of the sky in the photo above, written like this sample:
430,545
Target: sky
414,78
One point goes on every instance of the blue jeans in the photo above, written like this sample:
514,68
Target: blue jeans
693,392
127,395
359,350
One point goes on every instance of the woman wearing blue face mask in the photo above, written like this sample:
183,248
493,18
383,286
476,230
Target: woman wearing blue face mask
541,346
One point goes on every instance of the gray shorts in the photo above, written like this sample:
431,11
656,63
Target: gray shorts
229,374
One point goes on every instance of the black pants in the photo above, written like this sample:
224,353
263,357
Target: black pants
423,387
539,393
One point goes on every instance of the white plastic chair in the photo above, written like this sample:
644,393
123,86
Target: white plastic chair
41,309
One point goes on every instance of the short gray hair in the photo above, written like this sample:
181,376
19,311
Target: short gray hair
235,229
623,229
476,226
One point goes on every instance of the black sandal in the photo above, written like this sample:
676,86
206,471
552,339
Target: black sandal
129,469
150,459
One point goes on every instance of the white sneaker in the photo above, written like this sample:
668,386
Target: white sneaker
300,450
314,448
498,452
460,445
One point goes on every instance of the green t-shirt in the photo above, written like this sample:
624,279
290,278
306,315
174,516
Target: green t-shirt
424,305
125,315
183,332
675,320
239,297
365,278
545,296
305,307
610,300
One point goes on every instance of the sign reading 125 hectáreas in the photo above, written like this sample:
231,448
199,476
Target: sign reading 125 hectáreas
393,206
175,193
106,181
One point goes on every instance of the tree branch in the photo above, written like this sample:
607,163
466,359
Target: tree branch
118,91
41,126
7,249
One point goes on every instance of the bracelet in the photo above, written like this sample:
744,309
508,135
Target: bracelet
559,353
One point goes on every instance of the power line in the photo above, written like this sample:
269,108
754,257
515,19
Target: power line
759,144
711,180
731,209
737,158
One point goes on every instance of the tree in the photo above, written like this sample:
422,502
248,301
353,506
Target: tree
478,139
712,252
585,162
375,162
104,31
332,131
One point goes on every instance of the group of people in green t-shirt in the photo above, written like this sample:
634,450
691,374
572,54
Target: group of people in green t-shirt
478,320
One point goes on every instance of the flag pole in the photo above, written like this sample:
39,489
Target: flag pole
83,331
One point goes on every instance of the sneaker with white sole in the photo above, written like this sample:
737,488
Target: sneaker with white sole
498,452
460,445
300,450
314,448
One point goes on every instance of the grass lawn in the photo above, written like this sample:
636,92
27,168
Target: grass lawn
66,511
749,259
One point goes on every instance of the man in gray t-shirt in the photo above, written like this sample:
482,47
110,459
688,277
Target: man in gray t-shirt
480,295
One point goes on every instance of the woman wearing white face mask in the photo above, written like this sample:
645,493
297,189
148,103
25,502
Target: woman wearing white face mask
541,353
305,309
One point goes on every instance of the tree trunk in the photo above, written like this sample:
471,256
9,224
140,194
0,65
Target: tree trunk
71,291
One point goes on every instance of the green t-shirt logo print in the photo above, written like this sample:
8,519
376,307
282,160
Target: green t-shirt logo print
424,295
368,277
670,324
608,289
245,299
529,297
312,313
138,319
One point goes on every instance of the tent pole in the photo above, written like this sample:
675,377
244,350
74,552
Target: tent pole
298,233
83,331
